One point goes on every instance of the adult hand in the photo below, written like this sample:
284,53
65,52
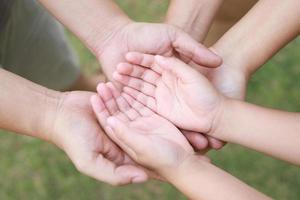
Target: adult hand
77,132
158,39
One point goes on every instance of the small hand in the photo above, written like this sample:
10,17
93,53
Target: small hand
77,131
172,89
148,138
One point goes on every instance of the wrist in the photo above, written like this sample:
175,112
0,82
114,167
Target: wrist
43,123
181,170
194,17
222,124
102,35
232,58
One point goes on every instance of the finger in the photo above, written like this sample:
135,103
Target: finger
122,106
99,109
178,68
145,60
125,108
215,143
148,101
136,71
107,97
107,171
197,140
135,83
142,109
188,47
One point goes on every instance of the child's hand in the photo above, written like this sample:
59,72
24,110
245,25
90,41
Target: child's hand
172,89
148,138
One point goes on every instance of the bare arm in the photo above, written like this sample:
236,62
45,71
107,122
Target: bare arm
198,179
156,143
194,17
274,132
93,21
25,107
265,29
65,119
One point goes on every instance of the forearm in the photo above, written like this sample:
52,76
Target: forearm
265,29
25,107
273,132
199,179
93,21
193,16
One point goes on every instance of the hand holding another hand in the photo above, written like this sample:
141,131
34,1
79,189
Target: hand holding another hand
148,138
77,131
172,89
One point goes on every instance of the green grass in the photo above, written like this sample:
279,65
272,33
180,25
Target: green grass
32,169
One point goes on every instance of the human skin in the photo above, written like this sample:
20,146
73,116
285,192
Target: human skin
177,92
244,48
194,17
68,121
110,34
157,144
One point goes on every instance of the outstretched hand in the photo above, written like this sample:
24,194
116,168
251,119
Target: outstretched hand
152,38
147,137
172,89
77,131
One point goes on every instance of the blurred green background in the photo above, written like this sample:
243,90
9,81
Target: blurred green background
32,169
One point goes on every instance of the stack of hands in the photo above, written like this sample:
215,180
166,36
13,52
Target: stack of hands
170,99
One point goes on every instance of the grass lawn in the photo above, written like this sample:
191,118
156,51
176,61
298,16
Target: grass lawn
32,169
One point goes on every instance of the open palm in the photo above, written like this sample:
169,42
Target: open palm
148,138
77,131
172,89
160,39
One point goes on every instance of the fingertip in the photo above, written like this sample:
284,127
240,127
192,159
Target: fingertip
140,179
124,67
215,143
97,103
132,57
207,58
199,142
100,87
111,86
218,59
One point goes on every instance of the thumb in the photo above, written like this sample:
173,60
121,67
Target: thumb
130,141
189,48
